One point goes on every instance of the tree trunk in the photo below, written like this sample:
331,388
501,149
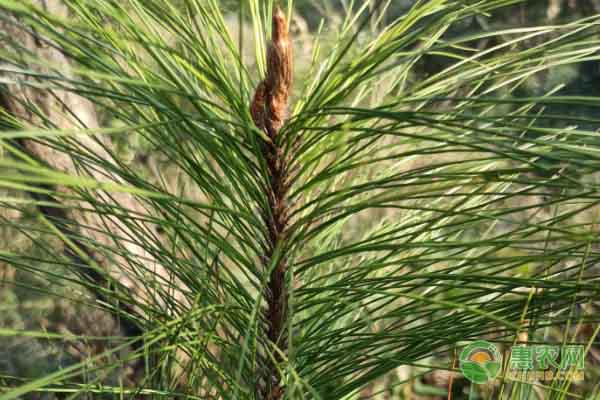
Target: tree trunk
65,110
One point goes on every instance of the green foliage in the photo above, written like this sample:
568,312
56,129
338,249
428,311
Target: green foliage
425,211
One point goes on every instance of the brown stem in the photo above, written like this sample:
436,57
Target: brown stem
269,111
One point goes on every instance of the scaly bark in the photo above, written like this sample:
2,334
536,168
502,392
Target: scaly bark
66,110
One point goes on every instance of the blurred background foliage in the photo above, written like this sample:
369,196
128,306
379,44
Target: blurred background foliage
25,309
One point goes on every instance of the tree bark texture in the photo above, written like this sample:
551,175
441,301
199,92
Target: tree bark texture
63,109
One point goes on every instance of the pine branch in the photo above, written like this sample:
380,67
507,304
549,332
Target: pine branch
269,111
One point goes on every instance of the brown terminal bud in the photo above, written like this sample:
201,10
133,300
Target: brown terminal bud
272,95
